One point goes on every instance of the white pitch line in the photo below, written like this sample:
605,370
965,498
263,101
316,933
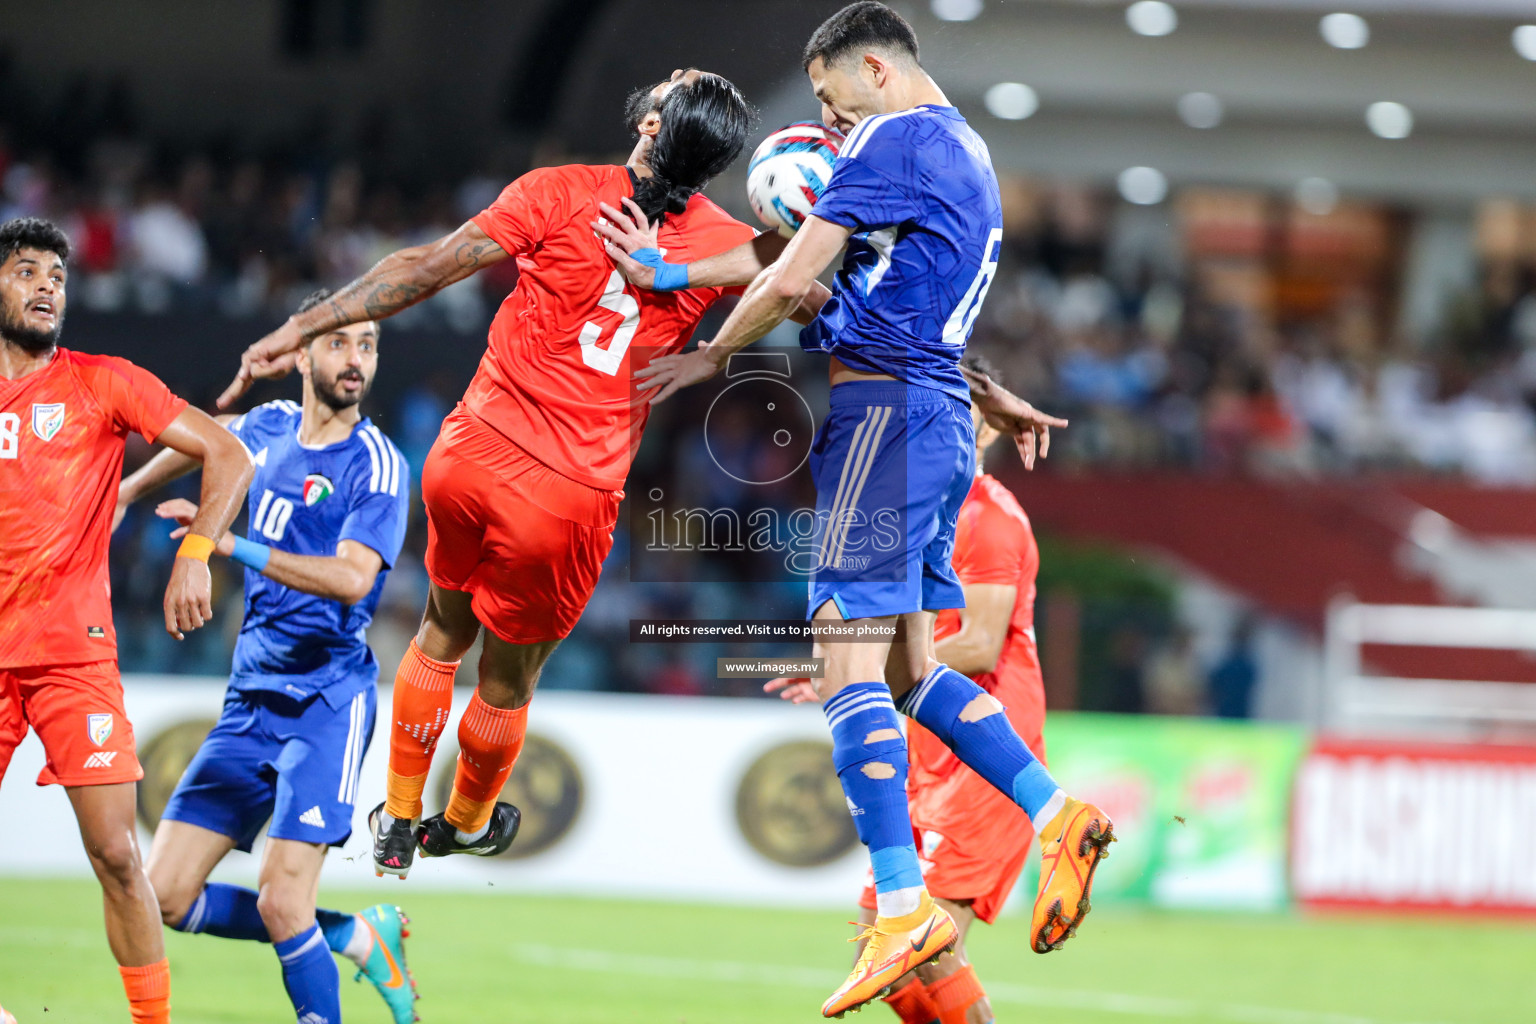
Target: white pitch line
603,961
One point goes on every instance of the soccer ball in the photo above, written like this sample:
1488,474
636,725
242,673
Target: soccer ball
788,173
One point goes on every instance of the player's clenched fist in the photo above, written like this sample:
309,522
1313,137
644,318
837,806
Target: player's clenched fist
188,597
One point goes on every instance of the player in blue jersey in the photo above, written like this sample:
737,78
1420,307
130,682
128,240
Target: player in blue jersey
328,509
914,200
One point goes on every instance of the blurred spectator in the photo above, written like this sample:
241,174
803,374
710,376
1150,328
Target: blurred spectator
1236,674
1175,682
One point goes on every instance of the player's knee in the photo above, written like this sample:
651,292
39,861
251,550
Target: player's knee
173,906
117,862
284,908
174,899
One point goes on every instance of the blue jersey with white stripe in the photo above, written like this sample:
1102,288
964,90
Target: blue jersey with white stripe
305,501
918,191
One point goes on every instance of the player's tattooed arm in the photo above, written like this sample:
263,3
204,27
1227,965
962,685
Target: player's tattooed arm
401,279
167,465
1029,427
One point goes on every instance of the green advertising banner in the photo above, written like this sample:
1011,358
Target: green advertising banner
1201,806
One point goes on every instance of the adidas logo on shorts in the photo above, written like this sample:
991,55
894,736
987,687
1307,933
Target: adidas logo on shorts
101,759
312,817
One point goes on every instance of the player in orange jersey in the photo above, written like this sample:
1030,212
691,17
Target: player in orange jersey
64,417
523,486
972,839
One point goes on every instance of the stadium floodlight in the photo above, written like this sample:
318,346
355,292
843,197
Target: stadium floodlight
1524,39
1344,31
1317,196
1389,120
1144,186
1201,109
1011,101
956,10
1151,18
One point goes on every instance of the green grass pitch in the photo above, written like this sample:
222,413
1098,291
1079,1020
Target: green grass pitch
545,960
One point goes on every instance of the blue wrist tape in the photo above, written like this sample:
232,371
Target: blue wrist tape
670,277
250,554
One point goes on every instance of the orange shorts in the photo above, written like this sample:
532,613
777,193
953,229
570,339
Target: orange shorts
972,841
526,543
77,711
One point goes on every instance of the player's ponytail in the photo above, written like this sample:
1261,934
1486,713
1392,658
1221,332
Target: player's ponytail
703,127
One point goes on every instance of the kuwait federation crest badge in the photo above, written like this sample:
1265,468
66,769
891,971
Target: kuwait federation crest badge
47,418
316,489
99,728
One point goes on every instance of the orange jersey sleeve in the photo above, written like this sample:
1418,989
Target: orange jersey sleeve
134,398
520,217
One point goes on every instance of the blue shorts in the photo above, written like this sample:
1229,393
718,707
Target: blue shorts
270,756
893,463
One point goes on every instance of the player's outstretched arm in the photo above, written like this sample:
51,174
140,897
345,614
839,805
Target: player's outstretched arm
401,279
627,235
1029,427
983,628
167,465
776,293
227,473
347,576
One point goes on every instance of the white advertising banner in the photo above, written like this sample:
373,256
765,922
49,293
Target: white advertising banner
1413,826
701,798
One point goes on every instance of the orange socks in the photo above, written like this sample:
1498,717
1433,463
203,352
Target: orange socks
913,1004
489,741
149,992
423,698
956,994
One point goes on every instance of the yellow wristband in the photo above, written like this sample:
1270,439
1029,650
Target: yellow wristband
193,546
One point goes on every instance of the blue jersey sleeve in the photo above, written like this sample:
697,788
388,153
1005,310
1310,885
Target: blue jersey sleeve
379,504
863,194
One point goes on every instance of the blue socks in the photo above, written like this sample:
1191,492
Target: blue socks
229,911
310,976
971,722
870,755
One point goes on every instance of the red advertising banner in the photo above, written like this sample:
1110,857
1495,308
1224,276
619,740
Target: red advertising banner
1415,827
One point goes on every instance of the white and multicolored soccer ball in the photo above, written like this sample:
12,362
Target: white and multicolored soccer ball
788,173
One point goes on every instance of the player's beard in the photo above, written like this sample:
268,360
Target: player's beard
29,339
329,391
640,103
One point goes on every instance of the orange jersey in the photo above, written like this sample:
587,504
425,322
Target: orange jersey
62,431
555,378
994,543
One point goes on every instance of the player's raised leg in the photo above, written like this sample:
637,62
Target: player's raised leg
1074,835
423,698
870,756
490,739
106,818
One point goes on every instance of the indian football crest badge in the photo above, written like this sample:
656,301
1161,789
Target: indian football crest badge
99,728
316,489
47,418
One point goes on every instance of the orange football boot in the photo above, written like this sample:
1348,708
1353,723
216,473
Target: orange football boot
1071,846
6,1018
895,946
